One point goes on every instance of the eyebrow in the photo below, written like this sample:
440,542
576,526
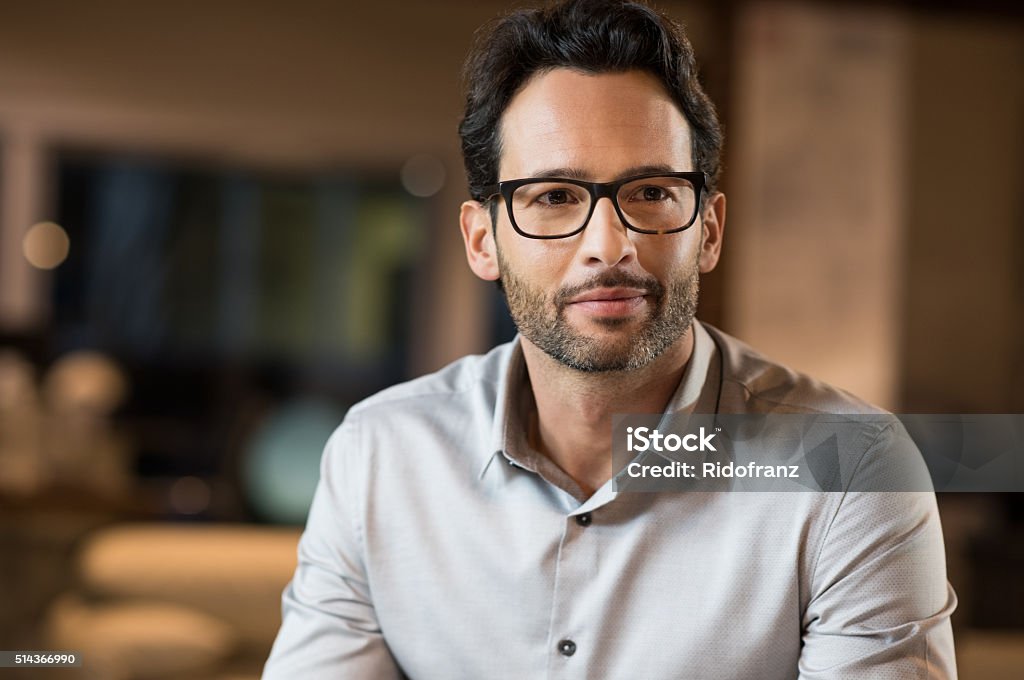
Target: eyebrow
583,175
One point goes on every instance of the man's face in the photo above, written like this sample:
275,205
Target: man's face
608,299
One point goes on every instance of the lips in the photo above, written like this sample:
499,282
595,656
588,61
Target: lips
608,294
609,301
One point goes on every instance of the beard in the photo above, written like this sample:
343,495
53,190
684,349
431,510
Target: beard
542,320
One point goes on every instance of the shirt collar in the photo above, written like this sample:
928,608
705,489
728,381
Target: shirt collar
698,388
695,393
511,382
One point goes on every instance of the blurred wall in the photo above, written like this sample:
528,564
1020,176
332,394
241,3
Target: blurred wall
876,221
963,305
816,233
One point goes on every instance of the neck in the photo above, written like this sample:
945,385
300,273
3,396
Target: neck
574,408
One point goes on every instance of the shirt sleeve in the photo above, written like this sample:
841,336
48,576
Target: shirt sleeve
880,603
329,628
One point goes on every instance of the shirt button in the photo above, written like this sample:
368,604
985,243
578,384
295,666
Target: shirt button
584,520
567,647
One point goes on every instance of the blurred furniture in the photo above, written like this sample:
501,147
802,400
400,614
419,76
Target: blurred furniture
175,601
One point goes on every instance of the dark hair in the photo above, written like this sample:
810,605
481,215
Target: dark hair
593,36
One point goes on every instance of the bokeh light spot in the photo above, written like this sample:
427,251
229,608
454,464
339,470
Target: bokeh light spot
46,245
423,175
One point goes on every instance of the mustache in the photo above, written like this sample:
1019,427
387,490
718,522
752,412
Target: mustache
610,279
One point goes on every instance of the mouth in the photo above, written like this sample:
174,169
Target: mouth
618,301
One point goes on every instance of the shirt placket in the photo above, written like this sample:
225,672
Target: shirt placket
570,636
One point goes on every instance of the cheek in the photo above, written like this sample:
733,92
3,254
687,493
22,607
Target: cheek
551,264
542,264
668,255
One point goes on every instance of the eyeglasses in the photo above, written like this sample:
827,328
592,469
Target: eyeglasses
547,208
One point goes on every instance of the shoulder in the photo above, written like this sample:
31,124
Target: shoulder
474,376
450,409
754,383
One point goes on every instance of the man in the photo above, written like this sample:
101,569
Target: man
467,524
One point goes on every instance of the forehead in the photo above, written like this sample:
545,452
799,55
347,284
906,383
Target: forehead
600,125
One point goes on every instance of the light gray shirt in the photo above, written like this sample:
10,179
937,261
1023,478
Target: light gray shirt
439,545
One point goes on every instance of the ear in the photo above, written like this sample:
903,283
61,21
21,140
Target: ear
478,235
714,226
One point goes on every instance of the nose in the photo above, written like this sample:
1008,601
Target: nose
606,240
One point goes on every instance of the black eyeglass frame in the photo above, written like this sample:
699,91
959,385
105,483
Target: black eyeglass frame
598,190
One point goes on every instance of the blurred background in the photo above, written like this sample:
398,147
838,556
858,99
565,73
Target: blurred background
223,223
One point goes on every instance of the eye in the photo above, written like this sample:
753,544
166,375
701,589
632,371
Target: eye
555,197
651,193
546,195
